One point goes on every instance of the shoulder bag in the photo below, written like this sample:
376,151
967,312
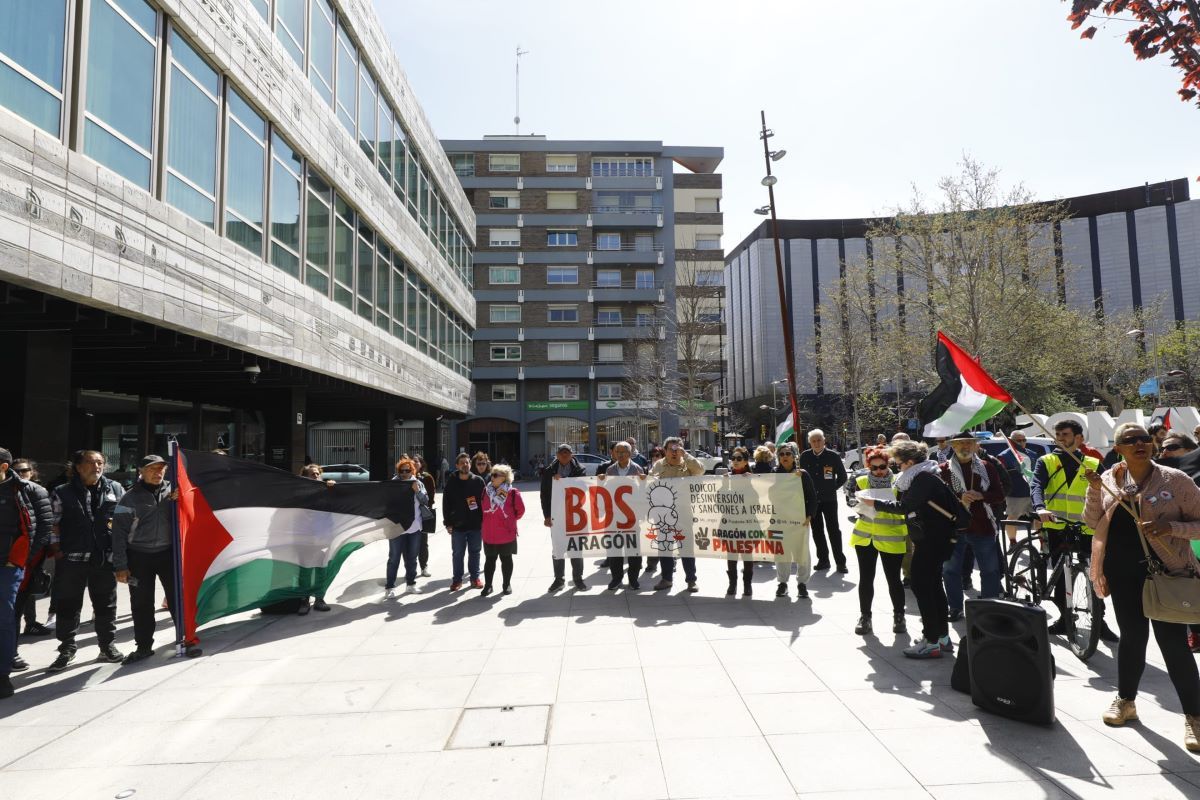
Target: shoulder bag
1168,598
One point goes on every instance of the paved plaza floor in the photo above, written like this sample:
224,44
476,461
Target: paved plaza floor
594,695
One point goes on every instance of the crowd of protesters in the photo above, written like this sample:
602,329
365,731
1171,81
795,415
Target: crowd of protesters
929,515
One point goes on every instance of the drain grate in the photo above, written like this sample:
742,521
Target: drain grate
501,726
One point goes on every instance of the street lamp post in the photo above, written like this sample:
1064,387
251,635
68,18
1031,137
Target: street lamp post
1141,334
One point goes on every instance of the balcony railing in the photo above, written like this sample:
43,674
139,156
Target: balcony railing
630,247
633,284
627,210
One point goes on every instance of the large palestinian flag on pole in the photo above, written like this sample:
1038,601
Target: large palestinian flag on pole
251,535
966,396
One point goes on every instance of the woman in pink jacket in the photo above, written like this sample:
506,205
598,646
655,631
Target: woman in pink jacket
502,507
1168,515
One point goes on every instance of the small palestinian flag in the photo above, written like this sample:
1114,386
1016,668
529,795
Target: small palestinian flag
966,396
785,430
251,535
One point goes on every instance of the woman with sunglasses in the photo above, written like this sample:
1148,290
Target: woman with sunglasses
789,462
481,465
430,524
1175,446
739,464
879,538
1167,506
502,507
408,544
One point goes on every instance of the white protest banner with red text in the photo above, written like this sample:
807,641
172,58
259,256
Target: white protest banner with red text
752,518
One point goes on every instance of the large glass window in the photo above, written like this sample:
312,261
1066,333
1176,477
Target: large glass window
385,140
412,301
317,235
562,275
263,7
399,157
347,79
343,252
192,127
289,27
562,351
411,166
383,285
499,314
32,37
366,112
245,168
423,332
562,238
286,168
320,49
366,271
119,123
398,297
504,275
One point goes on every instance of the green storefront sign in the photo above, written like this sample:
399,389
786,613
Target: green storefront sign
557,405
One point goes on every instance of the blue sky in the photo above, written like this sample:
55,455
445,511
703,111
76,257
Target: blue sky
868,97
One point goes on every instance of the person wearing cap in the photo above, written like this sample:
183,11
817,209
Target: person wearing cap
141,549
676,464
82,542
25,520
829,476
564,466
977,485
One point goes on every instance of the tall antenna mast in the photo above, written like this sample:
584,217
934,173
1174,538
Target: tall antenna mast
517,116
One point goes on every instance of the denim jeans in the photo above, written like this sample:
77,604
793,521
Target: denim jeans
668,568
463,542
987,558
407,545
10,581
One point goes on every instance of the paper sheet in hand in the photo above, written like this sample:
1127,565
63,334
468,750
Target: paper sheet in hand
868,511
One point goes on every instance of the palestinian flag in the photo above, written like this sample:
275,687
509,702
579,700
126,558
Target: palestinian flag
966,396
786,430
251,535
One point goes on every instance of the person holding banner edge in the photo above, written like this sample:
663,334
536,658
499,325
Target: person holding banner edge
564,466
676,464
788,463
623,466
739,464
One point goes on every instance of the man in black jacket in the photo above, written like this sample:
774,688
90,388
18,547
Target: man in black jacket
82,541
462,514
563,466
829,474
24,527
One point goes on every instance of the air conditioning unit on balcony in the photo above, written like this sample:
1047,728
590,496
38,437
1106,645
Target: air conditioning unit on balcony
520,182
520,295
660,256
660,220
520,373
587,183
591,334
658,182
589,220
520,334
662,331
662,295
520,258
589,258
591,373
591,296
520,220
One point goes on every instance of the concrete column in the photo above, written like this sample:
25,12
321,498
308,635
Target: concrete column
379,460
37,419
298,427
432,449
144,434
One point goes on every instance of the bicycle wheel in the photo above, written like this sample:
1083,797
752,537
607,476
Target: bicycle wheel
1084,629
1026,573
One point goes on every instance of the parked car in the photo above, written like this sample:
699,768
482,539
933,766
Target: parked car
710,462
589,462
345,472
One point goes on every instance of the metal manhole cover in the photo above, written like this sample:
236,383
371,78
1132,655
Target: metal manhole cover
503,726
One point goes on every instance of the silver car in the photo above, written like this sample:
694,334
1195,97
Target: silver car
345,472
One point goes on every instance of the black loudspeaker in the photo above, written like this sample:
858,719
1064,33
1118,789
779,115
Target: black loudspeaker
1012,669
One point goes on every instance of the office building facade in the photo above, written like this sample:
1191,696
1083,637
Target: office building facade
222,223
576,283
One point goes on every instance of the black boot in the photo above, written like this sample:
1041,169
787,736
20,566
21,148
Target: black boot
863,628
748,587
898,623
781,590
732,590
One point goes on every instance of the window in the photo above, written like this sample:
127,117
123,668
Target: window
32,42
347,79
504,199
562,163
464,164
608,391
504,275
245,160
321,46
708,242
399,158
644,279
562,238
608,278
609,316
608,241
504,162
289,27
367,105
385,140
501,314
645,316
562,275
562,201
398,285
609,351
286,168
317,241
504,392
122,48
263,7
629,167
192,126
709,317
708,205
644,243
504,237
709,277
366,271
343,252
505,352
564,391
562,351
560,313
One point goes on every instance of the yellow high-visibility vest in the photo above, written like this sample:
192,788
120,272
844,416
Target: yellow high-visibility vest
1066,500
886,531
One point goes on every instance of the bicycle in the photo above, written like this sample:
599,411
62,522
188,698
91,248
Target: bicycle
1034,569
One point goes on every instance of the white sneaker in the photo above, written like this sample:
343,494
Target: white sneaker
388,594
50,622
945,644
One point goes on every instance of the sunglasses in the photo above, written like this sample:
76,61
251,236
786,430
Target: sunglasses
1141,438
1166,448
404,472
23,470
499,475
738,458
879,468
